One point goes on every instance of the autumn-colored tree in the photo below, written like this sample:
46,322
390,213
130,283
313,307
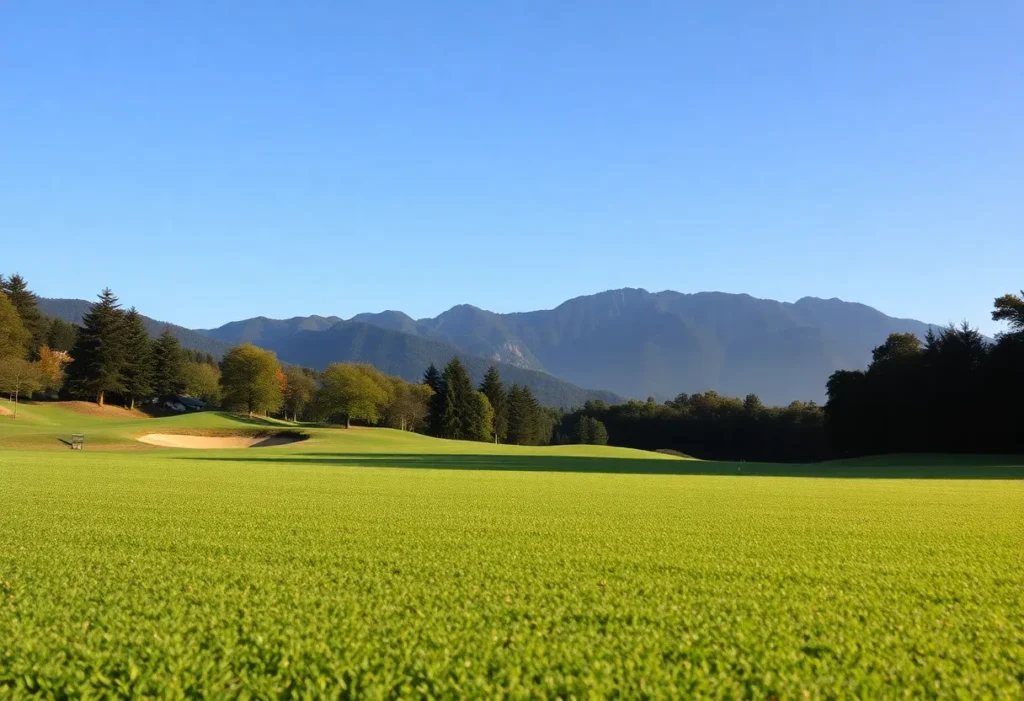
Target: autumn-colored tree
51,367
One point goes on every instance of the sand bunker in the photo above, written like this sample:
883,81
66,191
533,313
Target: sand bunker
4,411
170,440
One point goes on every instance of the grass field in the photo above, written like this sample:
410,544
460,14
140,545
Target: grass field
371,563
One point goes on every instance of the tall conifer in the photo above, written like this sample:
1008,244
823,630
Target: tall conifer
98,355
137,373
168,365
435,406
496,395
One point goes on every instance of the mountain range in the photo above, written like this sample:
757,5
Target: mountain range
629,342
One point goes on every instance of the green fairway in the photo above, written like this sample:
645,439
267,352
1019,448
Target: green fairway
373,563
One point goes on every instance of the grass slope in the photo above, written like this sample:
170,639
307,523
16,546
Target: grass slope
320,569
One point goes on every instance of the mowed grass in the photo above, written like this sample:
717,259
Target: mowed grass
359,564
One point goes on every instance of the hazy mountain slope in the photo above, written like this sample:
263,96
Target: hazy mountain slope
408,356
260,330
74,309
638,343
317,341
630,341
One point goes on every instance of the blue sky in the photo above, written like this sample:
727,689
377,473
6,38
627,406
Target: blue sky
214,160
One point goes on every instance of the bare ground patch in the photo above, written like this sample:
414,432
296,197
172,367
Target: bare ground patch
214,441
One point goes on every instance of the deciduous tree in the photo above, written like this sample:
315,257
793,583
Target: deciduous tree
18,377
249,380
202,381
51,367
300,386
408,406
27,304
1010,308
14,338
355,391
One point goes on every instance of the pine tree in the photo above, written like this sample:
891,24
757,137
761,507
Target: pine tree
137,373
495,393
27,304
168,365
98,355
432,379
520,416
460,408
60,336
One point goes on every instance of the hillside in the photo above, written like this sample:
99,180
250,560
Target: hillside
638,343
74,309
629,342
318,341
408,355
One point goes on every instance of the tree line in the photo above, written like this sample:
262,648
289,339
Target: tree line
711,426
951,392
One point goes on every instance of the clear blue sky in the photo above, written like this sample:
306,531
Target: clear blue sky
213,160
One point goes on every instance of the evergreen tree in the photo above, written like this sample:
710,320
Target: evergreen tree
137,373
27,304
168,365
460,408
522,420
61,335
495,393
98,355
435,406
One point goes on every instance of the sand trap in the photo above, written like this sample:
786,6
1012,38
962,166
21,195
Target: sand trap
170,440
4,411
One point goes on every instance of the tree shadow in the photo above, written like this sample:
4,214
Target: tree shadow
1010,468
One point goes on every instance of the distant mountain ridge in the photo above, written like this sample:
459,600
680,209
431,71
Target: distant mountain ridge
631,342
317,341
637,343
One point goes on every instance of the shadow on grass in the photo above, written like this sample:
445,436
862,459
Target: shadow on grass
943,467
